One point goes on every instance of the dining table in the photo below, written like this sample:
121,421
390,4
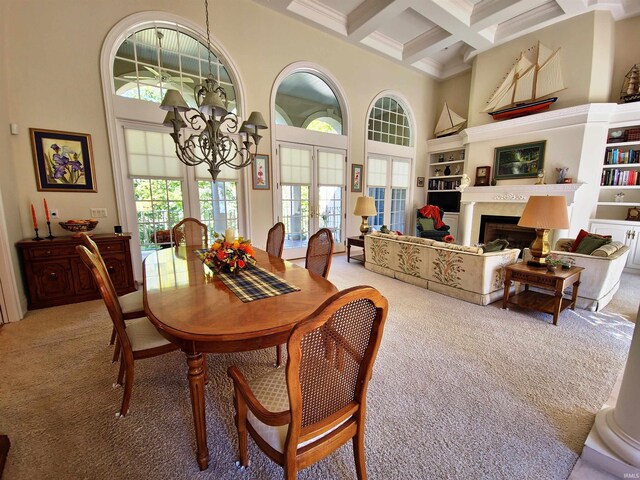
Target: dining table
191,306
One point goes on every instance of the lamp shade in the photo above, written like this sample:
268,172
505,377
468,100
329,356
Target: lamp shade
365,207
256,120
545,212
173,99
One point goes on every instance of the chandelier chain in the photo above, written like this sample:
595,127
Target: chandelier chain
206,14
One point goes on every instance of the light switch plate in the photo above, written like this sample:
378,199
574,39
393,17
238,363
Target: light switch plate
98,212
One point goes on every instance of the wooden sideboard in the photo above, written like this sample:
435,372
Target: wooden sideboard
54,274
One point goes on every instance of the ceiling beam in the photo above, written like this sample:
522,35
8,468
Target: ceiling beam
428,43
371,14
488,13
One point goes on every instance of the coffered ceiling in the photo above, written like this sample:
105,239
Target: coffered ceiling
439,37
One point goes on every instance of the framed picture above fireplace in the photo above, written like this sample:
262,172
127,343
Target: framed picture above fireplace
519,161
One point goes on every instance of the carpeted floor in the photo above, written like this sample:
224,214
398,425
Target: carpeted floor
459,391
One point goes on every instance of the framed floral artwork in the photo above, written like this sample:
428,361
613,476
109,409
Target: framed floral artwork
357,170
63,161
261,172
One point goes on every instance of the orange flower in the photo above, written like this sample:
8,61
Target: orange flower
215,246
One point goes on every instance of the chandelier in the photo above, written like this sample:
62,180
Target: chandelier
216,139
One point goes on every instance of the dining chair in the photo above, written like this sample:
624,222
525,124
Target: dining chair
320,252
131,303
275,240
138,337
317,260
303,413
190,231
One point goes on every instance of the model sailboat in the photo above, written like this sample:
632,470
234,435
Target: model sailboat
526,89
449,123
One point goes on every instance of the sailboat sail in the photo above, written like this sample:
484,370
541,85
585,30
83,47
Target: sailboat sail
536,74
449,122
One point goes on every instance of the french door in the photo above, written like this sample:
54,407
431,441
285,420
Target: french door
311,195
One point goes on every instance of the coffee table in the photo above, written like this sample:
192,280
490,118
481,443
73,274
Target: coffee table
556,281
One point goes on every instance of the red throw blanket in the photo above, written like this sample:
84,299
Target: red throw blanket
431,211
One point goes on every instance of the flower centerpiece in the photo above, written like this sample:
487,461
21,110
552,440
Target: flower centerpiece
230,256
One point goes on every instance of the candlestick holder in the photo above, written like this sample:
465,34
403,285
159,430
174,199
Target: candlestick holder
50,237
37,238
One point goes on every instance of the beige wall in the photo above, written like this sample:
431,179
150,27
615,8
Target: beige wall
455,91
575,37
52,53
627,38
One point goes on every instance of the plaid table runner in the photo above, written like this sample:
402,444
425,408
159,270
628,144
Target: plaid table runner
252,283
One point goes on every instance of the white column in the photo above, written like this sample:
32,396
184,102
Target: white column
466,222
619,426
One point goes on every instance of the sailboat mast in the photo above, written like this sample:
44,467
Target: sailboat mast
535,73
515,81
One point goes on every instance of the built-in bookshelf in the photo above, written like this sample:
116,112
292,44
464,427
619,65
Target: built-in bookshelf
620,179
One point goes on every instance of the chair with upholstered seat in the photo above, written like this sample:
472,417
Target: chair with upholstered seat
190,231
317,260
429,223
138,338
131,303
303,413
275,240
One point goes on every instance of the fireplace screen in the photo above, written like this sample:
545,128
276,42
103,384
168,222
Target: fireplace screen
493,227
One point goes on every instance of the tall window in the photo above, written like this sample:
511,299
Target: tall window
389,159
155,190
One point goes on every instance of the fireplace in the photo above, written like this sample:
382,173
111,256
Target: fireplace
493,227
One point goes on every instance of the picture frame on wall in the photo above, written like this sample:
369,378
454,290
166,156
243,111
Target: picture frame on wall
420,182
519,161
357,172
63,161
261,172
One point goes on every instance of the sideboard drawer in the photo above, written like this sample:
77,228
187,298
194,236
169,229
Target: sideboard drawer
48,251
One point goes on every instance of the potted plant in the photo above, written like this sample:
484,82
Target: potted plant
553,261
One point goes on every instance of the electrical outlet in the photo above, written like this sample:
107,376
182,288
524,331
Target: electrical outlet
98,212
54,213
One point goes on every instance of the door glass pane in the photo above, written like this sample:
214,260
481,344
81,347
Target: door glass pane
398,209
218,205
158,206
295,215
378,197
330,199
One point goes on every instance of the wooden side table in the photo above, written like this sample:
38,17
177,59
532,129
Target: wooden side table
355,242
555,281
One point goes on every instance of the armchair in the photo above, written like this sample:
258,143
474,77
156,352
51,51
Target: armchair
427,222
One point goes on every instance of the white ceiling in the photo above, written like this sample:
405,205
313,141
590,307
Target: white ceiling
439,37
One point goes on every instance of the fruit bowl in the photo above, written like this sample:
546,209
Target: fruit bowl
79,226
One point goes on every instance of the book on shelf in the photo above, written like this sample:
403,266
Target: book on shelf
615,156
442,184
619,178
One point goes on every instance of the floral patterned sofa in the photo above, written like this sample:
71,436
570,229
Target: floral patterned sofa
454,270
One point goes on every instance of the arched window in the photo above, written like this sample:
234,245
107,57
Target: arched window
305,100
157,58
388,123
390,154
143,56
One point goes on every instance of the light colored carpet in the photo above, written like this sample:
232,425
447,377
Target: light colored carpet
459,391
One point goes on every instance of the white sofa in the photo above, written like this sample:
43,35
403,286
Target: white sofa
454,270
600,279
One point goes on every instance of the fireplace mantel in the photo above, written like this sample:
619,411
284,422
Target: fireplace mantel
508,194
517,193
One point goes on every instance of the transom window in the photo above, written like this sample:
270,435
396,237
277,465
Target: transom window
164,57
306,101
388,123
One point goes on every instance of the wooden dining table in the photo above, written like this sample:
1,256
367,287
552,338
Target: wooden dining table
193,308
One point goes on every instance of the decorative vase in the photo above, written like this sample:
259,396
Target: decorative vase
447,170
552,268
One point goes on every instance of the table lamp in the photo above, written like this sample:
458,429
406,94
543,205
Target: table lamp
543,213
365,207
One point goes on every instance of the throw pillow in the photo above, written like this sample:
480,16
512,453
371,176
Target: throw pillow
581,236
495,245
425,224
590,243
